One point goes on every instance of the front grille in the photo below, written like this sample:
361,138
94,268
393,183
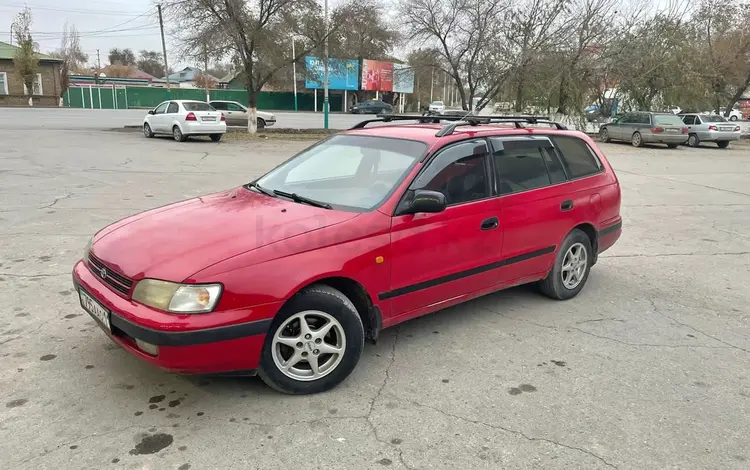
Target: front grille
110,277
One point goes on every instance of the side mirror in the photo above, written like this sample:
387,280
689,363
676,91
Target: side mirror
151,111
426,201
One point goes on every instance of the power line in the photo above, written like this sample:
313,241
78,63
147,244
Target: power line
81,11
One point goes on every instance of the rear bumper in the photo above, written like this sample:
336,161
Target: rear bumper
187,344
665,138
608,235
199,128
715,136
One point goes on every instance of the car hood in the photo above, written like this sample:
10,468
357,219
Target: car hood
178,240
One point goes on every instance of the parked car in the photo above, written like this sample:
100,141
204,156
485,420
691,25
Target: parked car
371,107
236,114
288,275
734,115
437,107
184,118
711,128
645,128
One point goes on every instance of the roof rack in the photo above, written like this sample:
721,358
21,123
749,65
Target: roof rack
458,121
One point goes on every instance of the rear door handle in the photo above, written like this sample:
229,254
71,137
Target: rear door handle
566,205
489,224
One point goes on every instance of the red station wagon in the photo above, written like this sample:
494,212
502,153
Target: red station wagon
287,276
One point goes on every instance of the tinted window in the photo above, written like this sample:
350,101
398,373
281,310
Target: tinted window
234,107
689,120
519,166
577,156
161,108
667,120
628,118
459,172
219,105
645,119
554,167
173,108
197,106
714,118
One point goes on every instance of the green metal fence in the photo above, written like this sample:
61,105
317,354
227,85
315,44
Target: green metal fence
134,97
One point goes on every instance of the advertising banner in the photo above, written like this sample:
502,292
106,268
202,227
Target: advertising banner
377,75
403,78
343,74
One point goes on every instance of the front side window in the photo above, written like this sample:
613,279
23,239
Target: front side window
577,156
349,172
689,120
235,107
219,105
161,109
519,166
459,172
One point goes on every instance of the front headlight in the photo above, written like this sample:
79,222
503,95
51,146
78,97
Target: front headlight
88,249
177,298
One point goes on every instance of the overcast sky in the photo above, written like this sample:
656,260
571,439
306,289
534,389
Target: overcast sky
102,24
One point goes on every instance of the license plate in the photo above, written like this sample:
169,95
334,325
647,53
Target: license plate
212,119
725,128
95,309
673,130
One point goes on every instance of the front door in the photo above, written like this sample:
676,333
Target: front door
236,115
157,120
444,256
616,130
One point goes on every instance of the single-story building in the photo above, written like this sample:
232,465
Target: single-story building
188,78
47,86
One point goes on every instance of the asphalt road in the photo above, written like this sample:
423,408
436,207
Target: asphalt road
646,369
72,119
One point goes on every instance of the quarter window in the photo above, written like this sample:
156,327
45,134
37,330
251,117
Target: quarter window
459,172
578,157
519,166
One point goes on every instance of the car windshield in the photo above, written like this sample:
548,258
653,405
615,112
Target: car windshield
197,106
668,120
349,172
437,103
713,118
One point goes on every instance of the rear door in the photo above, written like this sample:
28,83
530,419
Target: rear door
443,257
171,116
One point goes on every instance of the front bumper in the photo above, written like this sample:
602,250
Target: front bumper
270,122
718,136
187,344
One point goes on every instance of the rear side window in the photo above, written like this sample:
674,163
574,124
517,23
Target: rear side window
519,166
173,108
578,157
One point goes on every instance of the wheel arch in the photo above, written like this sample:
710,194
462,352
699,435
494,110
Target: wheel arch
591,232
369,313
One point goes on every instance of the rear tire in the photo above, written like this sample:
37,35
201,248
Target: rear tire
637,140
325,306
574,258
215,137
723,144
672,146
147,131
693,140
178,135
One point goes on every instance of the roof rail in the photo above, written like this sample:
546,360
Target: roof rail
519,122
422,118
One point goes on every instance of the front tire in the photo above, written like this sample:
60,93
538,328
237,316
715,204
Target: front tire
604,136
693,140
261,123
178,135
733,118
313,344
571,268
147,130
637,140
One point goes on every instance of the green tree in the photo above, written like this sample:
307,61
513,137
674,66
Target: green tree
151,63
25,60
121,57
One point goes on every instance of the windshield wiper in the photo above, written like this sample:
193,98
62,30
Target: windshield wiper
301,199
261,189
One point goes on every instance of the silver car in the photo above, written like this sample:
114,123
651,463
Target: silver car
236,114
646,128
710,128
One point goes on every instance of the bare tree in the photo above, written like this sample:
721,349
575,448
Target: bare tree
253,33
71,54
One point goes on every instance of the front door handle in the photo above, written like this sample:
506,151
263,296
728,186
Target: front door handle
489,224
566,205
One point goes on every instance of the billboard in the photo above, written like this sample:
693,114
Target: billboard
403,78
377,75
343,74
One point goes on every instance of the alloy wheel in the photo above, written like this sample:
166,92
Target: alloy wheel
308,345
574,266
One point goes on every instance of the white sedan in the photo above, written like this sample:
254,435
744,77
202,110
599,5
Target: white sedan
185,118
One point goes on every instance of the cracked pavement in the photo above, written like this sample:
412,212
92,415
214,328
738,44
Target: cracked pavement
647,368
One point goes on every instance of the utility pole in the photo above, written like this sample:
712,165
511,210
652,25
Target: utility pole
11,34
164,50
325,85
294,73
432,82
205,72
98,67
